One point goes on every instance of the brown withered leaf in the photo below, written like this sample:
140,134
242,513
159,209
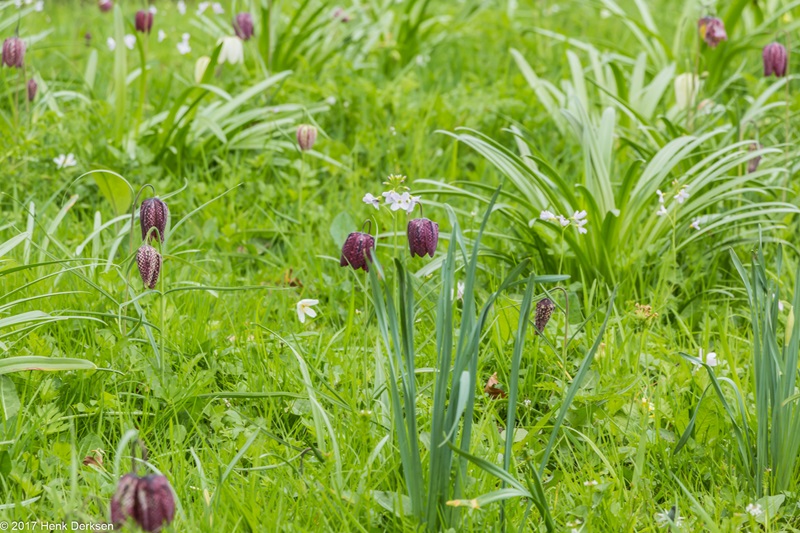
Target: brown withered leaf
493,389
289,281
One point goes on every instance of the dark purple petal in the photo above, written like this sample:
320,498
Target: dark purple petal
149,262
14,52
355,251
423,237
144,21
243,26
544,309
712,31
153,214
105,5
155,504
776,60
122,503
32,88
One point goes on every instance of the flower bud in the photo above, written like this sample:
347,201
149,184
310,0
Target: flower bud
243,26
149,262
776,60
147,500
355,251
544,309
153,214
752,164
14,52
105,5
144,21
712,31
423,236
32,88
306,136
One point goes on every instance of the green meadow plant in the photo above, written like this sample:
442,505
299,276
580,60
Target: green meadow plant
768,452
435,499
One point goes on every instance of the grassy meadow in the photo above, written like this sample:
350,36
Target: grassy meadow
604,338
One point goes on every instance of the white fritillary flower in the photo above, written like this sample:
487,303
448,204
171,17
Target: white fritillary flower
305,309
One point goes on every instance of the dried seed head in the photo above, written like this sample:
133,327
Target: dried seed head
105,5
147,500
776,60
32,88
14,52
144,21
712,31
243,26
752,164
149,262
544,309
306,136
423,236
153,214
355,251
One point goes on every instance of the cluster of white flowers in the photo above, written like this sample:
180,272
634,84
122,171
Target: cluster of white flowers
183,46
38,6
216,7
578,219
681,196
394,200
754,509
65,161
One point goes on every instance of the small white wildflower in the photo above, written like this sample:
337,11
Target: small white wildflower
130,41
695,223
660,196
547,215
662,211
183,46
460,286
682,195
202,6
372,200
668,517
39,6
305,309
527,402
709,358
153,10
754,509
563,221
579,217
65,161
590,483
181,7
112,44
161,35
217,8
331,100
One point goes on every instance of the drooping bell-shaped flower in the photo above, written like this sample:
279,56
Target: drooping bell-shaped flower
306,136
712,31
14,52
149,262
105,5
776,60
144,21
356,250
147,500
752,164
544,309
423,236
243,26
153,215
32,88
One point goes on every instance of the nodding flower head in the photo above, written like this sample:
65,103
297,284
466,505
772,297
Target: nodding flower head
153,215
144,21
776,60
306,136
544,309
423,236
356,250
149,262
105,5
147,500
712,31
14,52
752,164
243,26
32,88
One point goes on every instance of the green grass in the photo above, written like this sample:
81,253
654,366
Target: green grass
372,415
